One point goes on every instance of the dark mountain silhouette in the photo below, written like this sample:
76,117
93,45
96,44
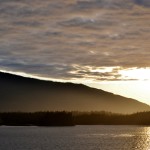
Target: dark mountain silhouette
26,94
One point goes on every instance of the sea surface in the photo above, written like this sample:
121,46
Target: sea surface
75,138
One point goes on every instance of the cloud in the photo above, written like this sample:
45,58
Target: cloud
26,23
48,37
145,3
89,23
108,4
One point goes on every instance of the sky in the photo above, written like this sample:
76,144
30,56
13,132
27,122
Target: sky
101,43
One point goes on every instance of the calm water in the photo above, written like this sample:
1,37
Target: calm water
75,138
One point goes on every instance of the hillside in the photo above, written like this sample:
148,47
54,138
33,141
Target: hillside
25,94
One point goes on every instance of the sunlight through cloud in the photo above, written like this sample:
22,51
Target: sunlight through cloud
136,73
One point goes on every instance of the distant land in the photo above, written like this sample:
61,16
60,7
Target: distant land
63,118
24,94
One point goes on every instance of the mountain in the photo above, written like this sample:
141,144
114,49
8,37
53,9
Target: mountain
19,93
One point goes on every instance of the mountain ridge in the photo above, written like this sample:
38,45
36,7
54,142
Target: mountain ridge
19,93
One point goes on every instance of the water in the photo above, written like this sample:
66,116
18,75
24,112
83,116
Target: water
75,138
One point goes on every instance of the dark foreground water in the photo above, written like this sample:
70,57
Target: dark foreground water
75,138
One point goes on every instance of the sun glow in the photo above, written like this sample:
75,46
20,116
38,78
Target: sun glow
136,73
132,82
138,90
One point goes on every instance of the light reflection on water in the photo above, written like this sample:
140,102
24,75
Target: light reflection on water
142,139
75,138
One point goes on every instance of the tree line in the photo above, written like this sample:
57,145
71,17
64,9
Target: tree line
64,118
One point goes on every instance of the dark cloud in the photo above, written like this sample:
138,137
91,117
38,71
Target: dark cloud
26,23
145,3
108,4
